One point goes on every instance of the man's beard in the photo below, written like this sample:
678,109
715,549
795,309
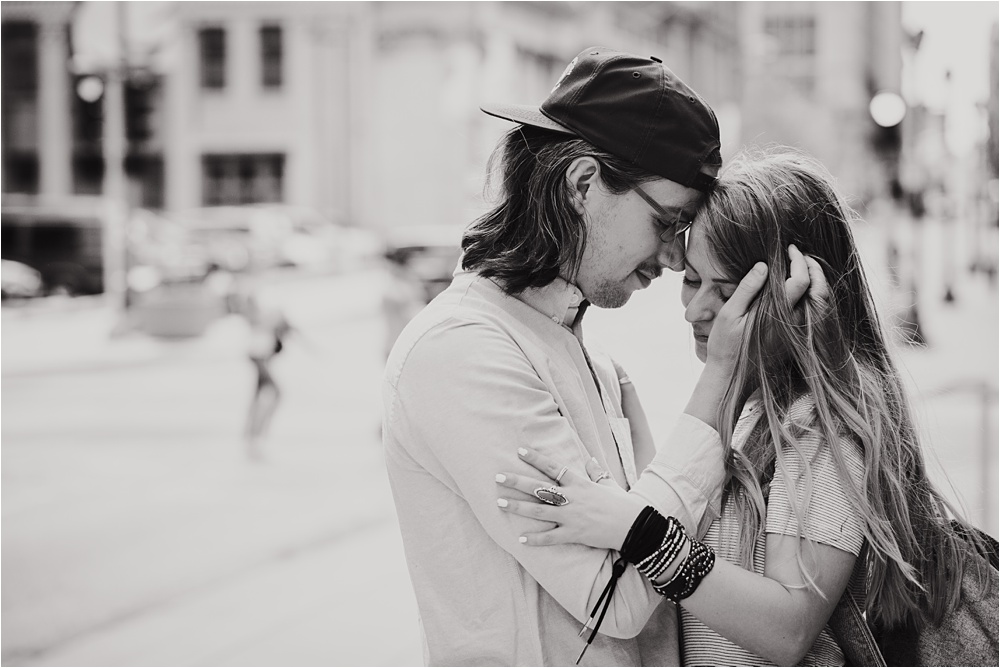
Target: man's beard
610,294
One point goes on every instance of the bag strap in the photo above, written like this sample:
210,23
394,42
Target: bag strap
854,635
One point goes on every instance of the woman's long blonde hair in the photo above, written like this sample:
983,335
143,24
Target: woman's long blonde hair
837,353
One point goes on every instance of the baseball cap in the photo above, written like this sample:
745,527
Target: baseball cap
632,107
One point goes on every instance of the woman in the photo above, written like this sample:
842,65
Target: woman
826,481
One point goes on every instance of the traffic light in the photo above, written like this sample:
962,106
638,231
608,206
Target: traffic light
138,109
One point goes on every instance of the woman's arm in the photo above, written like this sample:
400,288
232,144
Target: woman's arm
775,616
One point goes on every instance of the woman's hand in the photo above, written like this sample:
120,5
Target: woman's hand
805,279
598,514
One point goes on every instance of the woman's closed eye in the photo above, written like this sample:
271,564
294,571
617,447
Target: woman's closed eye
691,282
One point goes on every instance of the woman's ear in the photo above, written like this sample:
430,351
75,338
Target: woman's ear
581,175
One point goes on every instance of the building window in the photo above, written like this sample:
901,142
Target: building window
270,56
242,178
20,57
793,35
19,83
88,173
20,173
794,50
145,177
212,45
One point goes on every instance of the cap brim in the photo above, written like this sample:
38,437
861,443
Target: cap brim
523,113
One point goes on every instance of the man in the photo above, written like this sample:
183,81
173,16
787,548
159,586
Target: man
598,185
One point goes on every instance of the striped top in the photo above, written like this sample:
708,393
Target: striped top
830,520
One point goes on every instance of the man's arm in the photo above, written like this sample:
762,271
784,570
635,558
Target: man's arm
466,400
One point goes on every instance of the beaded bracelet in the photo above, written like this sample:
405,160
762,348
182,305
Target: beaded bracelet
698,563
659,561
664,557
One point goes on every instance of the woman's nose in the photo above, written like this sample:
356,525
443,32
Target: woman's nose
698,310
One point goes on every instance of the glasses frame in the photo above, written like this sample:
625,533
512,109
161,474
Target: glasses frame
677,226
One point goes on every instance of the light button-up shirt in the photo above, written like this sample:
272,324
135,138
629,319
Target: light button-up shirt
476,375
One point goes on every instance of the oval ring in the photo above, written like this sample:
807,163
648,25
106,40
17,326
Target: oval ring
551,496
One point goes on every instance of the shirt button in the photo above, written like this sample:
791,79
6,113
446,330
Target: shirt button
555,319
574,299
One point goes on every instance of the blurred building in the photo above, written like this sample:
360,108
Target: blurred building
366,111
36,98
369,111
993,102
810,71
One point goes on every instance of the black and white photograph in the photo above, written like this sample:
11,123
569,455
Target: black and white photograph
499,333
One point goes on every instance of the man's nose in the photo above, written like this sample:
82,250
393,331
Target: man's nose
671,253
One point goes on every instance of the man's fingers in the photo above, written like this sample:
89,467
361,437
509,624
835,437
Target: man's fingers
798,276
747,290
819,289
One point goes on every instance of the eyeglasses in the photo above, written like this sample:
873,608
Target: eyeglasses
672,228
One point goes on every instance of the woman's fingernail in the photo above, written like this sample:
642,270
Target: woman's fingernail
502,503
500,477
522,452
522,539
594,459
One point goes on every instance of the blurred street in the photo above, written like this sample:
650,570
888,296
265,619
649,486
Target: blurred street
136,533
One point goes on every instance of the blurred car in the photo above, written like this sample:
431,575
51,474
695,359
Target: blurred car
260,236
60,237
19,281
420,261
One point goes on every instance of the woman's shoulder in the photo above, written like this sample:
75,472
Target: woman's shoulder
804,421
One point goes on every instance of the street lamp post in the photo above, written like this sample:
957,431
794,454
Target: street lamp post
107,71
888,110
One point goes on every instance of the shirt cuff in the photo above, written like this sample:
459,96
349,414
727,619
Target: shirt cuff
685,478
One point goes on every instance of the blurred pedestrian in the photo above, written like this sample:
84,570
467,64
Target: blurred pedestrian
268,330
827,499
598,187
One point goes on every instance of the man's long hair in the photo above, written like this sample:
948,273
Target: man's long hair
535,232
838,355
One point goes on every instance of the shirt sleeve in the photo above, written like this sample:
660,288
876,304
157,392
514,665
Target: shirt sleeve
685,478
466,399
812,472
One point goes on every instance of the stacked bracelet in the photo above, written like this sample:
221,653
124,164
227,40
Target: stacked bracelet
657,563
652,544
697,564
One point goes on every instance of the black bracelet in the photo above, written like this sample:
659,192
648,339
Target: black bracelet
698,563
663,558
644,538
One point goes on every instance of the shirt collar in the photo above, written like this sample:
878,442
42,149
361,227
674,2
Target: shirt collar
559,301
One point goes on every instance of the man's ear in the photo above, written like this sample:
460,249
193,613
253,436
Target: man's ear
582,174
